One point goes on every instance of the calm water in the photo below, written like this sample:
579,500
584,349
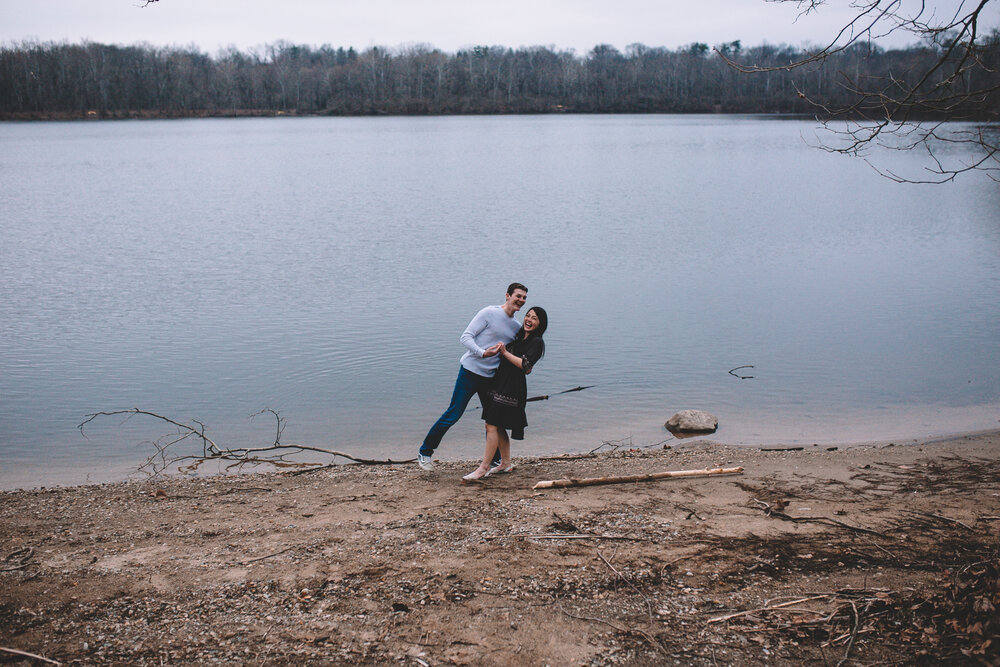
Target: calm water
206,269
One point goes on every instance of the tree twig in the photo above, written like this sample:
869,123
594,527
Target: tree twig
25,654
651,477
627,580
942,518
18,560
854,634
769,511
644,634
582,536
783,605
276,553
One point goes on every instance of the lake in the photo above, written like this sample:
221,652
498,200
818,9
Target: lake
325,268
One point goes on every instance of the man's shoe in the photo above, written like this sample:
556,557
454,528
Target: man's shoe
425,462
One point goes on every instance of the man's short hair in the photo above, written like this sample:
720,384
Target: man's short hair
515,286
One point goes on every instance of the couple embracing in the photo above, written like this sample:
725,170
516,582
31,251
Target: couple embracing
501,352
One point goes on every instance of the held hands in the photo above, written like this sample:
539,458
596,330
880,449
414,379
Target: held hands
506,354
512,358
493,350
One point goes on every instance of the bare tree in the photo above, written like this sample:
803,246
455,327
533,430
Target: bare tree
957,78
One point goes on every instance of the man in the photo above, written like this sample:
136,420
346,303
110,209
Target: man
490,327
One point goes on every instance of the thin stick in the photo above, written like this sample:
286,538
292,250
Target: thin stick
854,634
581,536
819,519
594,481
567,457
22,557
677,560
942,518
649,606
889,553
645,635
593,620
276,553
545,397
28,655
790,603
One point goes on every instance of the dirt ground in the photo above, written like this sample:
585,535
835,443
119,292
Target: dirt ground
862,555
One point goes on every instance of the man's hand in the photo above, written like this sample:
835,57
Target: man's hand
493,350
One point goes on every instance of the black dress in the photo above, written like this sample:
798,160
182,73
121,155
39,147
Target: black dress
507,396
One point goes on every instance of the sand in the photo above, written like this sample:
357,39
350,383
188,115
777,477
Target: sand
884,552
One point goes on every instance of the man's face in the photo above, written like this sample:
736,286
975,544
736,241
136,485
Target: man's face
516,300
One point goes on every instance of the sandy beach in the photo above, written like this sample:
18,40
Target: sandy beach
867,554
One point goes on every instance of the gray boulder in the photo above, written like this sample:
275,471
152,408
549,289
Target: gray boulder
693,421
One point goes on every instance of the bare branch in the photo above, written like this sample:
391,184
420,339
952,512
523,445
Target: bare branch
274,454
954,78
25,654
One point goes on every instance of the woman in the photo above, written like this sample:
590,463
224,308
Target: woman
504,408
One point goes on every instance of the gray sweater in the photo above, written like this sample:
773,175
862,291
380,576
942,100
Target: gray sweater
490,326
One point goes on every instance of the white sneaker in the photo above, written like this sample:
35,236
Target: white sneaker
425,462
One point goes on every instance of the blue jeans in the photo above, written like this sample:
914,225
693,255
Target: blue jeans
467,384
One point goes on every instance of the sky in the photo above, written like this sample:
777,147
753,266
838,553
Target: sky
449,25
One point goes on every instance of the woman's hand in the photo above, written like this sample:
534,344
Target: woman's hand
493,350
512,358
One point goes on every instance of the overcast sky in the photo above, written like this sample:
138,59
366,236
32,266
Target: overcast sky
445,24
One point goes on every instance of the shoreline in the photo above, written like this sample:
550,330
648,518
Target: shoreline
676,440
812,554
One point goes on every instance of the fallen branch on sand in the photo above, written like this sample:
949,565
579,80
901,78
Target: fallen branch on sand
775,607
18,560
942,518
581,536
769,511
626,631
276,553
651,477
25,654
276,454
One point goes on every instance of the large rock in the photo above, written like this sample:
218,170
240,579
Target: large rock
693,421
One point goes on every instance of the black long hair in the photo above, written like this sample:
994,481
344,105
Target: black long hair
543,324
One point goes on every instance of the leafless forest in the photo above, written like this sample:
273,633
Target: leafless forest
61,80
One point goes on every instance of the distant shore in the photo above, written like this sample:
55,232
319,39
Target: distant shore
163,114
812,552
166,114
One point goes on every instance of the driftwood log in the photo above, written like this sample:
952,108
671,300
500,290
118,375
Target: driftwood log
651,477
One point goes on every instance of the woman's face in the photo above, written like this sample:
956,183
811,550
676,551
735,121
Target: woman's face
530,321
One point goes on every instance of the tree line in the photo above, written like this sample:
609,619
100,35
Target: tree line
52,80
